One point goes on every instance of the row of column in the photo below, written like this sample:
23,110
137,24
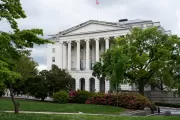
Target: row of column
63,51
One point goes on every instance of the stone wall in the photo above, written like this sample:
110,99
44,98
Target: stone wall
163,97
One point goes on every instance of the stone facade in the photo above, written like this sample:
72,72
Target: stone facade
78,48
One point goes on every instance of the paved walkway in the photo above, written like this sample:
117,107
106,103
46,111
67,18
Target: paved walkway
61,113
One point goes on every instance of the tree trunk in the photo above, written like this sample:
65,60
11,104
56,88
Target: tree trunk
141,87
42,99
117,97
16,110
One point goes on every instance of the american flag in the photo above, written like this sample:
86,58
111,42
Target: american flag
97,2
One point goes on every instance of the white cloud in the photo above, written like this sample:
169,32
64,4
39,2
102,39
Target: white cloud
57,15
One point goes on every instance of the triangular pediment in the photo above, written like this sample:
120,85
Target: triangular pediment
90,26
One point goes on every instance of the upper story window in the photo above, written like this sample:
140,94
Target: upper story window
53,50
53,59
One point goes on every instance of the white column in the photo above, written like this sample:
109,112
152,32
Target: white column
97,49
87,54
87,84
64,56
107,42
61,55
78,55
77,84
69,55
107,86
97,85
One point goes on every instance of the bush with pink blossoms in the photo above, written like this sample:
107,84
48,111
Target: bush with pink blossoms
126,100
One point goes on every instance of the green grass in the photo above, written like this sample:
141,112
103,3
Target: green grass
29,105
10,116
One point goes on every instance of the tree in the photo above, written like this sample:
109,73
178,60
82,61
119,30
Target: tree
38,87
152,56
112,66
2,89
12,43
27,67
59,79
46,83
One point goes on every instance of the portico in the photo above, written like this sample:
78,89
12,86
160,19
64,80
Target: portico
80,55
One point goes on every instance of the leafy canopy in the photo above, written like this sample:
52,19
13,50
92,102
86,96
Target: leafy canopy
146,57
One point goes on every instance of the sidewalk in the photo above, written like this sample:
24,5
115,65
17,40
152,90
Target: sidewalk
60,113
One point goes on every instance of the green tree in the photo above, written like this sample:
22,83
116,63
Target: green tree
58,79
38,86
2,89
151,57
46,83
112,66
27,67
12,44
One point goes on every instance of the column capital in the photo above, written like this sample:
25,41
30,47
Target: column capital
78,40
69,42
96,39
87,39
61,42
106,38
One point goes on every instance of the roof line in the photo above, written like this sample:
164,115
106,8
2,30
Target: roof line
96,32
86,23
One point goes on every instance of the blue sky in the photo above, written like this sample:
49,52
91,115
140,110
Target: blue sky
56,15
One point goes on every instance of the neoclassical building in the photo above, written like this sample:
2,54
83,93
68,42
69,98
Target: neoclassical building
78,48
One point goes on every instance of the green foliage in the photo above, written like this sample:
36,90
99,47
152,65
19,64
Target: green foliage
58,79
11,10
48,82
2,89
12,44
27,67
144,57
61,97
38,87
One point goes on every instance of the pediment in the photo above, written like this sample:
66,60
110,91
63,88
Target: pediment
92,27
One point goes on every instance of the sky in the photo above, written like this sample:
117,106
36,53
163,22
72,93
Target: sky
54,16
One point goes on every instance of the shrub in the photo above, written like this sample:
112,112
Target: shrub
106,99
61,97
133,101
126,100
80,96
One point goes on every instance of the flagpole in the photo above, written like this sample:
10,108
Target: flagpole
97,12
97,3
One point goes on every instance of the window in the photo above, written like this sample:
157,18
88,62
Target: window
53,50
53,59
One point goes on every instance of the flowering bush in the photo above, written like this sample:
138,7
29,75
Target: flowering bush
79,96
133,101
126,100
106,99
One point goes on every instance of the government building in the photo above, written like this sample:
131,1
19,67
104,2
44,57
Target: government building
78,48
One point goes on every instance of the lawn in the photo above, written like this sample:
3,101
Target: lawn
29,105
10,116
